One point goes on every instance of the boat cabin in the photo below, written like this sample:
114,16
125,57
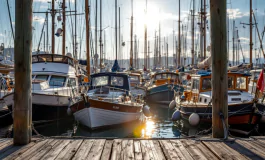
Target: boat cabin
201,83
164,78
110,79
135,79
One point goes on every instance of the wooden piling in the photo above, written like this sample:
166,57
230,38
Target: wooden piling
87,10
22,95
219,66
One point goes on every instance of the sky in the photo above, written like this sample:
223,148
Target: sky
163,11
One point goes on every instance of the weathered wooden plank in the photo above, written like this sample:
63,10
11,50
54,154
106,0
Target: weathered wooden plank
127,149
54,152
69,151
181,150
168,149
197,150
107,150
137,150
28,154
156,149
15,151
146,150
116,149
4,143
83,150
123,148
96,150
253,147
222,150
40,153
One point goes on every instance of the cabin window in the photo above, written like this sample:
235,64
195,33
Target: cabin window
164,76
45,58
134,78
34,59
57,58
158,76
33,76
206,84
116,81
57,81
42,77
241,83
71,82
230,82
100,81
195,84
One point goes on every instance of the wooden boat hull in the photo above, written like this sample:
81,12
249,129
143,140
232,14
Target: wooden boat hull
102,114
162,95
239,114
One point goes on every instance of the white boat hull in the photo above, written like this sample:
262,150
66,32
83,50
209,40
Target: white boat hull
96,117
41,99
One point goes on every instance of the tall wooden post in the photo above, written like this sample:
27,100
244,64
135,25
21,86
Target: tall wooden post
22,95
64,31
87,37
219,66
204,30
53,21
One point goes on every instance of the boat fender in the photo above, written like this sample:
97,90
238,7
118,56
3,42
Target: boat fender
262,119
194,119
176,116
146,111
172,104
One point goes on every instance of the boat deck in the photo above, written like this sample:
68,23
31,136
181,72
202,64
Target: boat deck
79,148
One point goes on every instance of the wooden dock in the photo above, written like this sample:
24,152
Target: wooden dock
48,149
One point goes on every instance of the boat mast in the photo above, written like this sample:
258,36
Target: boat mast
135,51
47,34
179,45
96,36
120,32
100,34
87,37
192,33
75,50
148,55
10,20
204,29
159,45
250,33
64,24
131,51
145,37
233,42
116,37
53,19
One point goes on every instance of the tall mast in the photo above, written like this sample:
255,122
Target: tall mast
10,20
250,33
100,34
53,19
201,33
179,45
116,36
192,33
131,51
120,32
87,37
233,42
47,32
148,55
64,24
96,35
135,51
159,45
75,53
145,37
204,30
155,51
167,54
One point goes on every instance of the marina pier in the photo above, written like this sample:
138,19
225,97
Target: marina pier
156,149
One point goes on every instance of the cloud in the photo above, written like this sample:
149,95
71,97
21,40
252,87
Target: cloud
235,13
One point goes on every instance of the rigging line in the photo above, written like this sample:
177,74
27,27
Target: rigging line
38,50
10,19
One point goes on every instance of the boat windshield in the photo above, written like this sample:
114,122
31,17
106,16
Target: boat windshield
206,84
57,81
134,78
42,77
116,81
241,83
100,81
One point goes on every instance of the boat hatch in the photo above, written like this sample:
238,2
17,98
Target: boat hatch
236,99
234,94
